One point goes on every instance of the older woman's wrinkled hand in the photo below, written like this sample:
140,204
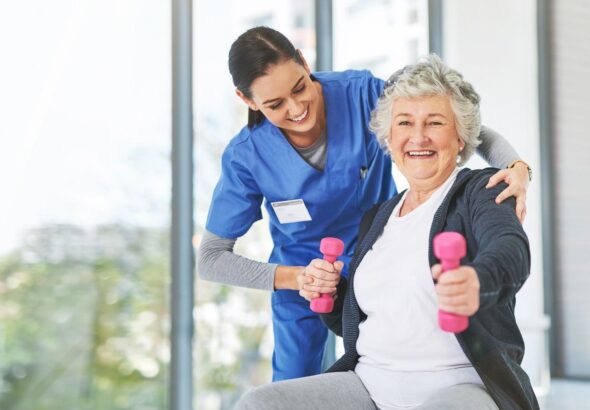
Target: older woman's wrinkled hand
457,290
319,277
517,179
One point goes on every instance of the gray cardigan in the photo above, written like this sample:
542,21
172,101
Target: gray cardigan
497,248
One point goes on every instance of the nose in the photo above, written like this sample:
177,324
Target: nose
418,135
295,107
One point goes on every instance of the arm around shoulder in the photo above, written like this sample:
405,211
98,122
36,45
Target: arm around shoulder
495,149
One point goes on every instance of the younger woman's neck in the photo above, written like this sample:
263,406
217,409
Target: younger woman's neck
304,140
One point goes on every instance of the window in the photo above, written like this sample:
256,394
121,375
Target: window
85,175
381,39
376,35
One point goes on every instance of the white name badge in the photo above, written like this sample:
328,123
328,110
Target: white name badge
291,211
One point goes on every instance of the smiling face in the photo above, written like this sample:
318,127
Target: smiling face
424,142
290,100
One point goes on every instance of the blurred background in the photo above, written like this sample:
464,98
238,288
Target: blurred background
87,277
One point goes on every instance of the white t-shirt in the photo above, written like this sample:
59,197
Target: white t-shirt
404,355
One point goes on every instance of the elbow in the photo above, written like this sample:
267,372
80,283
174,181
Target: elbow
524,257
204,271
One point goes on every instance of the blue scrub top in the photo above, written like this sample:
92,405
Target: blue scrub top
259,165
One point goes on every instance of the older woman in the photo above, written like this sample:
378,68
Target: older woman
396,356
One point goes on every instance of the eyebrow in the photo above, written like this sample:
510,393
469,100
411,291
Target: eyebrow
407,114
279,98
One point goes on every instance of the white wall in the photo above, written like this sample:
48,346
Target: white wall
494,44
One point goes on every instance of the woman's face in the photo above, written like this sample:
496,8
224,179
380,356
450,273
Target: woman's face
288,98
423,141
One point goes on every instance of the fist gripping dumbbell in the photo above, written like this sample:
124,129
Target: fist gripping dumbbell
331,248
450,247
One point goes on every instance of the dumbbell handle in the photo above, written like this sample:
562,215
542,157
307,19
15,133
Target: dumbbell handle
450,247
331,248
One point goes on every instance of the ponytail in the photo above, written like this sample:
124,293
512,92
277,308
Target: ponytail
254,118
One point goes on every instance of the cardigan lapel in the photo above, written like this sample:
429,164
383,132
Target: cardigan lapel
375,231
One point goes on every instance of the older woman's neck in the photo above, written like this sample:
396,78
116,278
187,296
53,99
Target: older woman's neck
414,199
421,190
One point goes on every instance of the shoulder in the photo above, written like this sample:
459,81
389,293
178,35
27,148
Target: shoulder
352,87
246,134
475,179
346,77
240,138
472,184
475,176
237,151
244,140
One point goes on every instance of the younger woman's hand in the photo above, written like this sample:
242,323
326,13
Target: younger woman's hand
320,276
517,179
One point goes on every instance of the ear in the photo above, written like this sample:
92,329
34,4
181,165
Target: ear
389,150
388,143
305,65
246,100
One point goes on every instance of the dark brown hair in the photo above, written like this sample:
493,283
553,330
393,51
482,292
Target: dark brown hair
250,57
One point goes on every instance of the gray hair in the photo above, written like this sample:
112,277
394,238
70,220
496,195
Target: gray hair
427,78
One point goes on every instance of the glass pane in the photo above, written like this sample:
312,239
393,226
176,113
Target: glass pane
85,174
234,343
381,36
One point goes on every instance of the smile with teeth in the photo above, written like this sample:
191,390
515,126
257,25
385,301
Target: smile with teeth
420,154
300,118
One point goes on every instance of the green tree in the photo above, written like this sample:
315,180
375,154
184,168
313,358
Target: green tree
84,319
84,324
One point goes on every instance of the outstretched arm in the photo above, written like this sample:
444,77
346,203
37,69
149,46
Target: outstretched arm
503,257
500,267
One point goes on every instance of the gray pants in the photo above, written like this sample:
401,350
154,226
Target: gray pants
345,391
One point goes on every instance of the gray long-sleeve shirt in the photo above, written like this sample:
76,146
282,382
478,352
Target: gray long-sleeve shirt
217,261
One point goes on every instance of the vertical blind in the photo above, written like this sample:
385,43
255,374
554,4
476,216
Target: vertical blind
571,91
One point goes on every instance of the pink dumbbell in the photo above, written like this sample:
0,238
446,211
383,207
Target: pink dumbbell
331,248
450,247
